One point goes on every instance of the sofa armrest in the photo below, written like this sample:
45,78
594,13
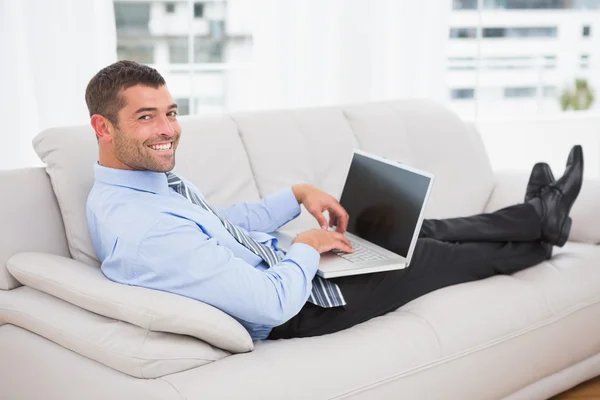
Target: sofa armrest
87,287
510,188
30,218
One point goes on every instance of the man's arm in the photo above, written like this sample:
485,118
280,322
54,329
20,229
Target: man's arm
266,215
276,210
178,257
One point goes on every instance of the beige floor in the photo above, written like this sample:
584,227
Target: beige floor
589,390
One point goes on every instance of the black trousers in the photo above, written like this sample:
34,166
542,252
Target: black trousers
448,252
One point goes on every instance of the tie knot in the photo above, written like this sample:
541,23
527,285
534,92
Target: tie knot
172,179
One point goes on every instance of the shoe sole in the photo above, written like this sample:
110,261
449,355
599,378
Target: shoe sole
565,230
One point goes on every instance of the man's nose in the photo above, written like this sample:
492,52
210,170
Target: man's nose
166,128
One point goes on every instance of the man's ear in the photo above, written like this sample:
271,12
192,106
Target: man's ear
102,126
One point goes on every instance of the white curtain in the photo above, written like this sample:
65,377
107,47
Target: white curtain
50,50
320,52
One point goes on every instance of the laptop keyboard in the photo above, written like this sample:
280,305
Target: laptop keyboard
361,254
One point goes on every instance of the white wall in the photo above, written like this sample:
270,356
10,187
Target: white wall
50,50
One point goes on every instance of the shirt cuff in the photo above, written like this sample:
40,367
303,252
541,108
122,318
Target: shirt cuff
283,205
305,256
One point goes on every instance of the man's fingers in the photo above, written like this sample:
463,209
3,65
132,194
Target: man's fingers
346,247
340,216
343,239
343,222
320,219
332,219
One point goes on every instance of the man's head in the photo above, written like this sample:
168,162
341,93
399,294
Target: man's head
134,116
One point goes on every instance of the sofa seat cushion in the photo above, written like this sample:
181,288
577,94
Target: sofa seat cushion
520,327
135,351
157,311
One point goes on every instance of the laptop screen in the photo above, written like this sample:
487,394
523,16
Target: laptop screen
384,202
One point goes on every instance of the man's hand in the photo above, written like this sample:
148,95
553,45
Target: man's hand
323,240
316,202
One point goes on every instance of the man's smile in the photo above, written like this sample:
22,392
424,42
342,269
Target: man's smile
166,146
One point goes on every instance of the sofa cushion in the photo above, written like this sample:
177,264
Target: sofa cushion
478,340
128,348
85,286
210,155
297,146
29,218
430,137
314,145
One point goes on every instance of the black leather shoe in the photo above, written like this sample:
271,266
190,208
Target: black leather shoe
541,176
548,248
554,203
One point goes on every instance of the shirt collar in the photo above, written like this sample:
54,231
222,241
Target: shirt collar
148,181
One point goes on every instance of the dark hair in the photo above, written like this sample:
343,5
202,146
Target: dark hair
103,92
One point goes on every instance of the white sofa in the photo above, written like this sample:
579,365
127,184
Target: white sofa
66,332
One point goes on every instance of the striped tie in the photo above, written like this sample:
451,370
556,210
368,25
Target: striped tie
324,293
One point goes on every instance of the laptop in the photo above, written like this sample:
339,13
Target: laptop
385,201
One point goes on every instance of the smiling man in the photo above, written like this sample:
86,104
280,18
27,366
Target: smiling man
154,229
127,128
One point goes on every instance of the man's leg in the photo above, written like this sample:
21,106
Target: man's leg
435,265
515,238
519,223
550,199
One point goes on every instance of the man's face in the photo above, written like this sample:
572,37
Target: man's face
147,133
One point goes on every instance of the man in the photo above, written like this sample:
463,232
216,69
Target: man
152,228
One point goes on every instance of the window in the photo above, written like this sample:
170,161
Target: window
519,92
462,93
216,29
504,32
140,52
524,4
178,51
208,50
183,106
586,31
132,18
584,61
502,63
585,4
463,33
533,32
198,10
464,4
201,84
461,63
549,91
549,62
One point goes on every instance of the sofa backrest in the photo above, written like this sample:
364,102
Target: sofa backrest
244,156
312,145
210,154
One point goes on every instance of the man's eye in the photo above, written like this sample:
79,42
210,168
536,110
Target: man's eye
144,117
172,113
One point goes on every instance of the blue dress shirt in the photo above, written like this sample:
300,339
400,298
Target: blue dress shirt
146,234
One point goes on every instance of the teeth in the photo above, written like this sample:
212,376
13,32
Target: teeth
161,146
